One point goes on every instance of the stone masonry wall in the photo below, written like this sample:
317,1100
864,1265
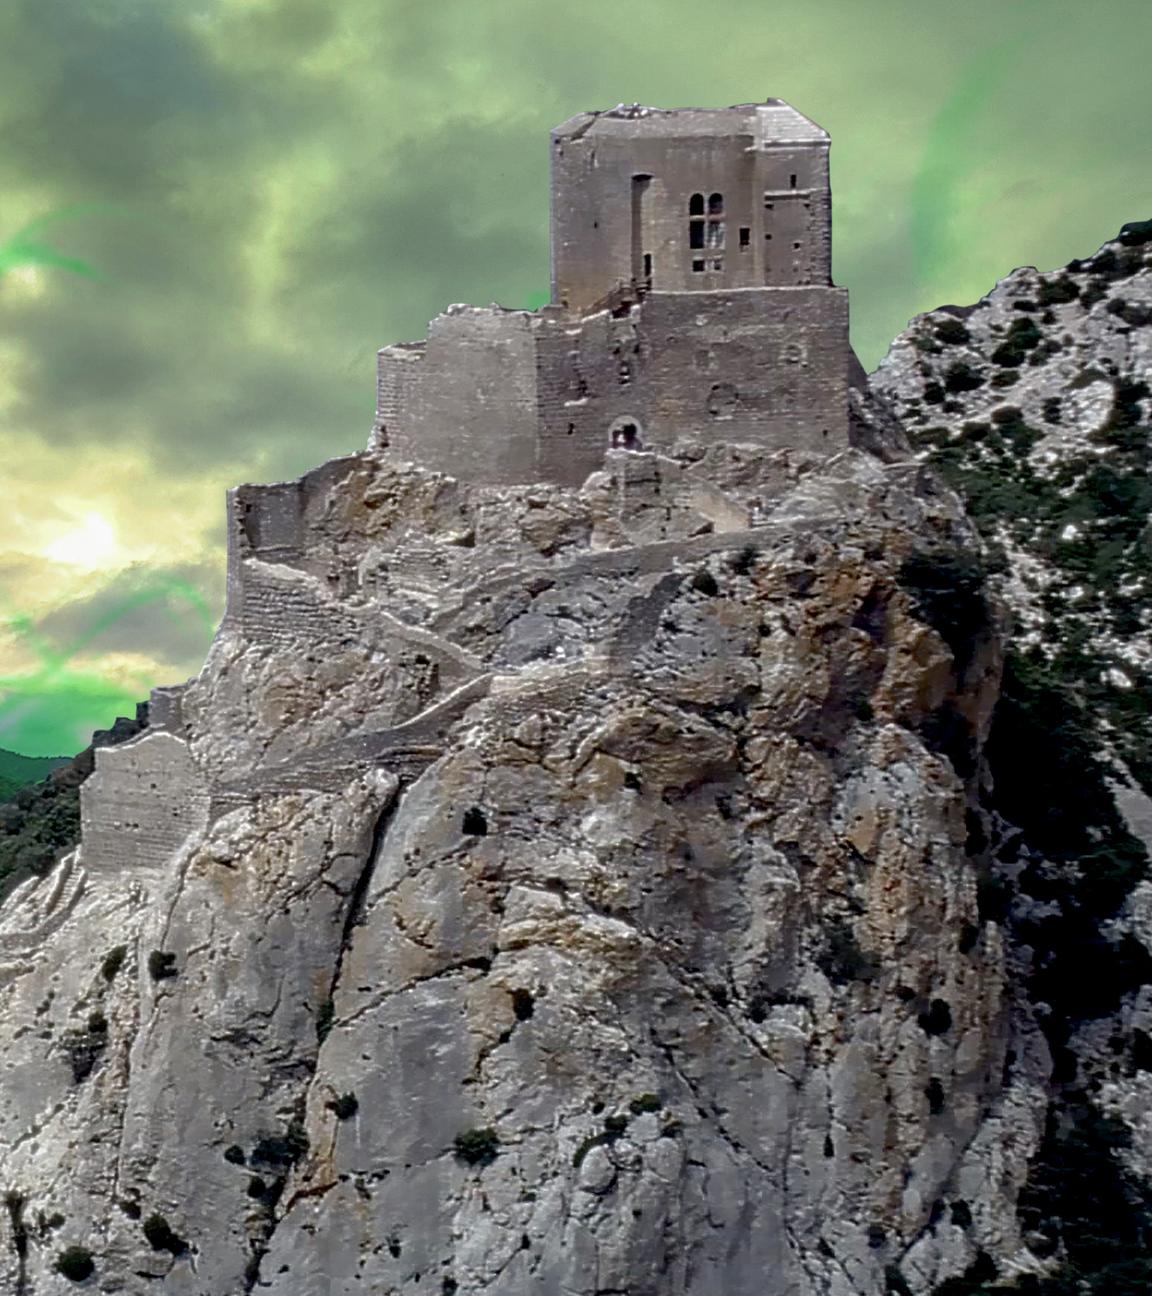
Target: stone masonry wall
539,394
141,802
478,373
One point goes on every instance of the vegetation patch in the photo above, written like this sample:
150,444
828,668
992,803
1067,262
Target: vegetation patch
83,1048
161,1237
478,1147
161,965
113,962
614,1128
841,959
344,1106
75,1263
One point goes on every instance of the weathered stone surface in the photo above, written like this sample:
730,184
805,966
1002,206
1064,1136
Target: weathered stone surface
583,906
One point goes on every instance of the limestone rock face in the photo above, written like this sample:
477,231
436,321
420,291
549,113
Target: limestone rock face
1035,403
578,899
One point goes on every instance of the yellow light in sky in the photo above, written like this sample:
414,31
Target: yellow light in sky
25,281
89,546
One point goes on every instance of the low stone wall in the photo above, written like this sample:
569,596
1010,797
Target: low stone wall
140,803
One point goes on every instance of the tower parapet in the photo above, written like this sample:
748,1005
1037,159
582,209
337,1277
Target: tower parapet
689,200
691,289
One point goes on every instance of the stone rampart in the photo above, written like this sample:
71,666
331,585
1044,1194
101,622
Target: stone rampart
141,802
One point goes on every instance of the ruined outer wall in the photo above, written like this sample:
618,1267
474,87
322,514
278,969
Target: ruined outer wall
399,369
767,366
140,803
472,413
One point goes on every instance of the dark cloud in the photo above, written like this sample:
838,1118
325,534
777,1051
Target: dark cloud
348,170
287,185
165,614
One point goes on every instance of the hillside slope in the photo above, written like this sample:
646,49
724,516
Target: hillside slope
1034,404
16,771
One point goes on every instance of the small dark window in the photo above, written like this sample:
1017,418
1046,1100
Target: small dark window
717,264
697,266
648,269
792,182
696,205
796,245
626,436
696,234
745,235
715,204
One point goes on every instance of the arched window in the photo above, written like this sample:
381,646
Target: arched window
706,231
624,434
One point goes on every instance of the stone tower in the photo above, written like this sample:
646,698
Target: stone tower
688,200
691,297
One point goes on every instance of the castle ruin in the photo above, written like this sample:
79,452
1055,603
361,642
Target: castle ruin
691,297
691,287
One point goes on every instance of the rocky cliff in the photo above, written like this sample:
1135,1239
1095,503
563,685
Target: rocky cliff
1034,404
632,890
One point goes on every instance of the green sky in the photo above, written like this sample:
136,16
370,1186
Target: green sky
254,195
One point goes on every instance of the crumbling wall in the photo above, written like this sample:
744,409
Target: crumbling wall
398,374
141,802
473,412
766,366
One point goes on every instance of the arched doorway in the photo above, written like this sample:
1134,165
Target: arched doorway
625,434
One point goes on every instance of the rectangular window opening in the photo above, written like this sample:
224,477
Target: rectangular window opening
745,235
697,265
716,265
696,235
791,182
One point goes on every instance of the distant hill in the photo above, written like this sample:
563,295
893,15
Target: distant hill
16,771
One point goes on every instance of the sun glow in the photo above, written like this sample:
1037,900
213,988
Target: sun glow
89,546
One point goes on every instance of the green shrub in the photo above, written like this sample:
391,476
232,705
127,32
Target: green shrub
344,1106
75,1263
160,1236
951,331
961,377
645,1102
614,1128
841,959
1054,292
161,965
113,961
479,1147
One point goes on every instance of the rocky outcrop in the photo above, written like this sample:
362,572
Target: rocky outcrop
582,898
1034,403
